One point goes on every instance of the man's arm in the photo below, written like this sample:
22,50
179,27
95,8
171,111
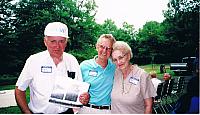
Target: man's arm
20,97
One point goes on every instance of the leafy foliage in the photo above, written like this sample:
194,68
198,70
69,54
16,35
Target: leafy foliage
182,27
24,22
22,25
151,42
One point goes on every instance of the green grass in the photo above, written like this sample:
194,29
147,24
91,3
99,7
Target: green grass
156,67
7,87
10,110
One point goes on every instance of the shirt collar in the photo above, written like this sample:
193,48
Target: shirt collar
95,64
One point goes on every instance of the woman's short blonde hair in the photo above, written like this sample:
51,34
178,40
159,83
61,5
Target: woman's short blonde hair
122,46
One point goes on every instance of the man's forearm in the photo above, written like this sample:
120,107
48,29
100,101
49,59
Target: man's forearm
20,97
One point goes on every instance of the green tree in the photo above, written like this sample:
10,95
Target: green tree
27,19
150,39
128,34
108,27
182,27
7,38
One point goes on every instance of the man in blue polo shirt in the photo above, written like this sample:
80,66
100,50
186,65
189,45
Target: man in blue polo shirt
99,73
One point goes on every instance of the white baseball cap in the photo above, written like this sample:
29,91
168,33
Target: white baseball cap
56,29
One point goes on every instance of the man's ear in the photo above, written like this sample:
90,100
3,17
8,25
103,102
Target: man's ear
96,47
45,41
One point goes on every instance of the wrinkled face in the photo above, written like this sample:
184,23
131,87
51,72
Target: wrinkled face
121,59
104,49
55,45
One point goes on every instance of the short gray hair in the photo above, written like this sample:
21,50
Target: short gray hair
122,46
107,36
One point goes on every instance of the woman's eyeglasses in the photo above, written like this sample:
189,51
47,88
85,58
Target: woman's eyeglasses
119,58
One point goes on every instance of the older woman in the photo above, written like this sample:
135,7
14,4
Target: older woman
133,90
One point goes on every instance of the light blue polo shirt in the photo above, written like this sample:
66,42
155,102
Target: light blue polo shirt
100,80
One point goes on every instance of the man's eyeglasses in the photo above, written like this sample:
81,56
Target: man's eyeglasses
104,47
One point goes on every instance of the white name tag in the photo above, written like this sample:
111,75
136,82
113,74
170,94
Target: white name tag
134,80
93,73
46,69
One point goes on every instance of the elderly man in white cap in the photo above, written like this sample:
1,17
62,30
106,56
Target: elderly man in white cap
41,72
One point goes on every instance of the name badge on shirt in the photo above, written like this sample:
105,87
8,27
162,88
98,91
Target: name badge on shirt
46,69
93,73
134,80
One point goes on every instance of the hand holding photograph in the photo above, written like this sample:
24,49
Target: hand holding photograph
67,91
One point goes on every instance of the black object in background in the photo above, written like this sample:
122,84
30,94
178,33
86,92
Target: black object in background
71,74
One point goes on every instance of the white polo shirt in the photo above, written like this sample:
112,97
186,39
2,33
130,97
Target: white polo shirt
156,82
40,74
